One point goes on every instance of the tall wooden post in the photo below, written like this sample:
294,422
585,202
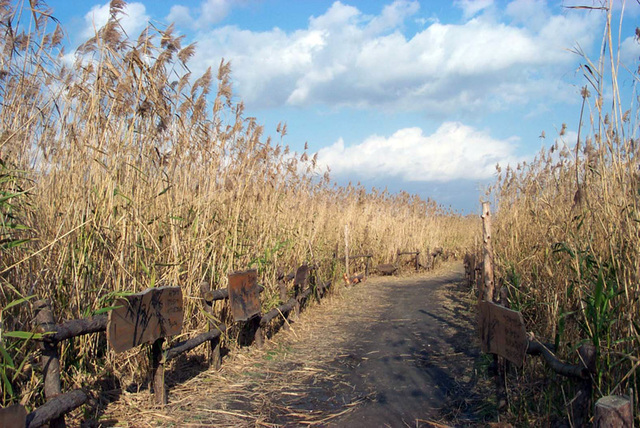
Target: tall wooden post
50,359
488,292
366,267
214,357
346,249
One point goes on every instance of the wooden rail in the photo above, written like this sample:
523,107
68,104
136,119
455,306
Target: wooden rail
359,256
416,254
497,322
58,404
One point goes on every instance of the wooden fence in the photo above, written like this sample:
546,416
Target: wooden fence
503,334
161,308
58,404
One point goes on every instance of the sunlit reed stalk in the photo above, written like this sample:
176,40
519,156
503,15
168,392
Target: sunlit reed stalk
141,175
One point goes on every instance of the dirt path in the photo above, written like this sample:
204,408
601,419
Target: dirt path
396,352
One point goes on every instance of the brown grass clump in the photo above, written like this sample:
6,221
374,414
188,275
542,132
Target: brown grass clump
123,171
566,236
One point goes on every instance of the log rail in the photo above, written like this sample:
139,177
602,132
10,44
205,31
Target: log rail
58,403
583,373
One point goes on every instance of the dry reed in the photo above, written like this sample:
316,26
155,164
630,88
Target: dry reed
566,234
122,171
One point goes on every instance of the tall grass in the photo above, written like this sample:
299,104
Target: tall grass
567,229
127,172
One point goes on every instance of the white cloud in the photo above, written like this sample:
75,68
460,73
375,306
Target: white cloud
133,21
471,7
630,52
393,15
207,13
345,58
454,151
214,11
532,14
180,15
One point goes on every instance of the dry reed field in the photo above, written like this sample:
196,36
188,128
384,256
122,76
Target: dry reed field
122,171
566,241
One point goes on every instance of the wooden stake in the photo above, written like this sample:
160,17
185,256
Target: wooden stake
613,411
215,357
157,372
346,249
488,253
259,336
214,344
50,359
366,267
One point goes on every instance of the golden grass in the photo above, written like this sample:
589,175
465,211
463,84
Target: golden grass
122,171
566,232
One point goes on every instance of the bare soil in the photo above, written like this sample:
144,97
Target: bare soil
389,352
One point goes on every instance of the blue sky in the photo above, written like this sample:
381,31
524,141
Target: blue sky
422,96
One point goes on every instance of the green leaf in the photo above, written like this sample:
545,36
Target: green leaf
25,335
17,302
7,358
107,309
165,190
10,196
7,385
16,243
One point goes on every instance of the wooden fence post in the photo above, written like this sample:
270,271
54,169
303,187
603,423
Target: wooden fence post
157,372
259,331
282,286
214,358
417,260
614,411
346,249
488,292
366,267
50,359
581,404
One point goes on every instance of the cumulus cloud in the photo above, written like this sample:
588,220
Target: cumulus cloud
180,15
133,21
454,151
472,7
207,13
346,58
630,52
532,14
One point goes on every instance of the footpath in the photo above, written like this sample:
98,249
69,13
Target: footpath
389,352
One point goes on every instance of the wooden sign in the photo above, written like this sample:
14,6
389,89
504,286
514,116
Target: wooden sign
13,416
302,276
502,332
244,294
145,317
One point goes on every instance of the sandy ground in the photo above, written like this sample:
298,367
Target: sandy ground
390,352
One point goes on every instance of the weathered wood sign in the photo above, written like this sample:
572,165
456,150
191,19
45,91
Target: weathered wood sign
502,332
302,276
145,317
13,416
244,294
